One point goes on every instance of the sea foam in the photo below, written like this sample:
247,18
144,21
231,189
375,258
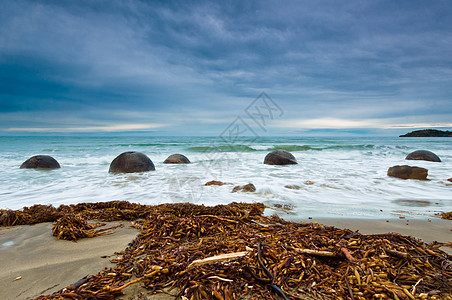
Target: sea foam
347,176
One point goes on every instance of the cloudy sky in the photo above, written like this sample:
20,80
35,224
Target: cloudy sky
192,68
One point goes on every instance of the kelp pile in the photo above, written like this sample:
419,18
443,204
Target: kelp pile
115,211
233,252
74,227
447,215
103,211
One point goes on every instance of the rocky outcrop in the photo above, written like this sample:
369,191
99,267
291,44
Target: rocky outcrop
428,133
280,157
244,188
40,162
131,162
408,172
423,155
177,159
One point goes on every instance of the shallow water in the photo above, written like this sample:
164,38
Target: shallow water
348,174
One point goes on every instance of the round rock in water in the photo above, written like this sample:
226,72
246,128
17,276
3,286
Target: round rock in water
408,172
40,162
280,157
423,155
131,162
177,159
245,188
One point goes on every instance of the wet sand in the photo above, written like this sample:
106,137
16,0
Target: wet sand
436,230
46,265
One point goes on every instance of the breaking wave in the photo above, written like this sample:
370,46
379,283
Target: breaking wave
223,148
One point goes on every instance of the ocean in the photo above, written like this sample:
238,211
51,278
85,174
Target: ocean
337,177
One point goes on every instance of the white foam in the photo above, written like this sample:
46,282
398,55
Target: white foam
346,181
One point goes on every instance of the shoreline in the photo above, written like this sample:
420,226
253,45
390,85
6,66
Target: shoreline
429,229
46,265
436,230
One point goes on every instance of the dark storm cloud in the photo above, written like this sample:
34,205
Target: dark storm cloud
194,65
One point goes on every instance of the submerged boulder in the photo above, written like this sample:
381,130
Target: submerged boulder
408,172
293,187
177,159
131,162
280,157
423,155
244,188
40,162
216,182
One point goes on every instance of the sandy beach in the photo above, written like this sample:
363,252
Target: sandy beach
35,263
235,150
436,230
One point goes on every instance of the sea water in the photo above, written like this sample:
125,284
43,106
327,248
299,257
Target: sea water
335,176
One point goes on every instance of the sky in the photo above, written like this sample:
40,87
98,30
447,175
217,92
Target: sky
203,67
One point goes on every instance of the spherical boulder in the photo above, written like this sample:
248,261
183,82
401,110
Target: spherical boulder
408,172
40,162
423,155
177,159
280,157
131,162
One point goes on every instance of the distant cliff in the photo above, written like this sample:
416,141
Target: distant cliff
428,133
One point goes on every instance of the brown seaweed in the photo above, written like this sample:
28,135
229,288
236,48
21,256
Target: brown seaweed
241,254
447,215
74,227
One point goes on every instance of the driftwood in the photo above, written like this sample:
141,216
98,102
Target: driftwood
217,258
315,252
397,253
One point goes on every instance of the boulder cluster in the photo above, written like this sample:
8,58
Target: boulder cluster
131,162
127,162
409,172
